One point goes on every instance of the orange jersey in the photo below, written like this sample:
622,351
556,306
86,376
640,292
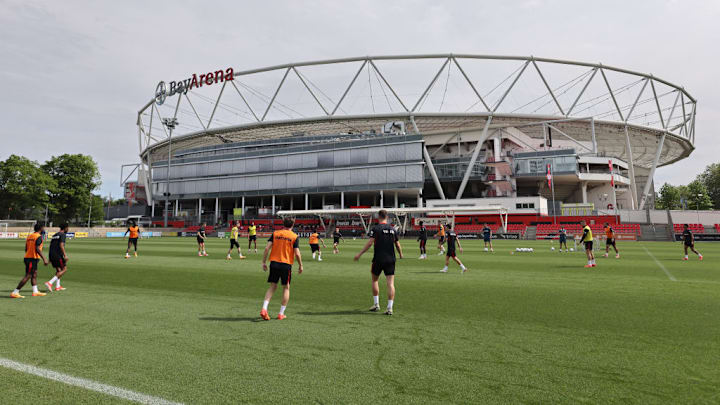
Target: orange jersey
609,233
31,244
441,232
134,231
284,243
314,238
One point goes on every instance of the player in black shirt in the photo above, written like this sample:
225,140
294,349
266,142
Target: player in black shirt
201,236
422,237
337,236
487,237
689,242
384,238
58,258
452,240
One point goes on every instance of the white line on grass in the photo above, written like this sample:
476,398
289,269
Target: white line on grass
86,384
670,276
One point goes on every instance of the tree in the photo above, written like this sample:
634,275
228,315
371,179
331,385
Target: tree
669,198
24,189
698,197
76,177
711,179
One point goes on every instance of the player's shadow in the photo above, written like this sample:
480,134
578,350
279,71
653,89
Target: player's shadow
230,319
330,313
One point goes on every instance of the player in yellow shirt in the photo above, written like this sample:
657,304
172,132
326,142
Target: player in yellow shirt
587,240
234,233
252,235
315,241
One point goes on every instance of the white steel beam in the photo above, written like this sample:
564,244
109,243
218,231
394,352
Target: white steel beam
629,114
216,104
310,91
429,86
617,107
245,101
548,87
487,108
272,100
631,163
581,92
511,86
473,158
348,87
657,102
433,174
649,182
195,111
388,85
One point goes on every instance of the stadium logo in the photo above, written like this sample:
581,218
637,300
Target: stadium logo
183,86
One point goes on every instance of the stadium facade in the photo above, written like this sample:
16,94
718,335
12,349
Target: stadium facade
399,131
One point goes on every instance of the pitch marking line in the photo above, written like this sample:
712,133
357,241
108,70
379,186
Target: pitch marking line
86,384
670,276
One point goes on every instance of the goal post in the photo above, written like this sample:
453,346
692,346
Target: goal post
401,214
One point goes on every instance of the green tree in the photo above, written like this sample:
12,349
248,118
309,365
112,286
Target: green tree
711,179
698,197
76,176
669,198
24,189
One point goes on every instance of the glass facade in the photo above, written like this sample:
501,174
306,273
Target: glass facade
387,163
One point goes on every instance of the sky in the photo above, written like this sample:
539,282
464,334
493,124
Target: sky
74,74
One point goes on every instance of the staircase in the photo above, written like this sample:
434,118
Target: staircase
530,232
656,233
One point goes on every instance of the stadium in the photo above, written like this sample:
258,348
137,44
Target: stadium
411,131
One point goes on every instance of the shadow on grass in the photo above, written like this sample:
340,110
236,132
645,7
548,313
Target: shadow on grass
230,319
330,313
426,272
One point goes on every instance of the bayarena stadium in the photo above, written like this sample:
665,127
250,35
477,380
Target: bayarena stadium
535,138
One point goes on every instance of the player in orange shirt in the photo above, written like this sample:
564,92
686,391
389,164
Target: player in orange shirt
283,247
33,254
441,239
315,241
610,241
134,231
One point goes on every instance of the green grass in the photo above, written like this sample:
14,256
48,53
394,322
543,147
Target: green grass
523,328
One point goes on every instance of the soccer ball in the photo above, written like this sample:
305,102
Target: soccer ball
572,249
552,248
486,249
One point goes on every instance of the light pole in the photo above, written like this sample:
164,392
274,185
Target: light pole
170,123
697,207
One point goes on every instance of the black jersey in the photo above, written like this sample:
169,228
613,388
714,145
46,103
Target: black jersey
423,233
336,237
201,232
687,237
57,239
486,232
451,238
385,238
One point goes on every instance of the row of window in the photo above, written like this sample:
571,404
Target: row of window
311,160
288,181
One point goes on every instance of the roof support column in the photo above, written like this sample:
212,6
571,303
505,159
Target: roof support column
633,185
474,157
649,181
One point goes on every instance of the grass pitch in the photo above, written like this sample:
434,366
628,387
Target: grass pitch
522,328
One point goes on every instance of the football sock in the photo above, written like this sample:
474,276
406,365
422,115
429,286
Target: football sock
462,267
376,300
16,291
282,309
57,283
390,304
35,289
445,268
265,304
52,280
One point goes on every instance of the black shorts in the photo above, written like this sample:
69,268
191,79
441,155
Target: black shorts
57,262
252,237
133,241
486,240
423,242
379,268
314,247
31,265
281,272
588,245
451,253
336,241
689,244
234,243
610,241
442,239
562,239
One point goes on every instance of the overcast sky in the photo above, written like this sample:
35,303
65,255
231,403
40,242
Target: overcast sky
74,74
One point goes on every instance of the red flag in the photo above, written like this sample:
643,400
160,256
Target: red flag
549,175
612,176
